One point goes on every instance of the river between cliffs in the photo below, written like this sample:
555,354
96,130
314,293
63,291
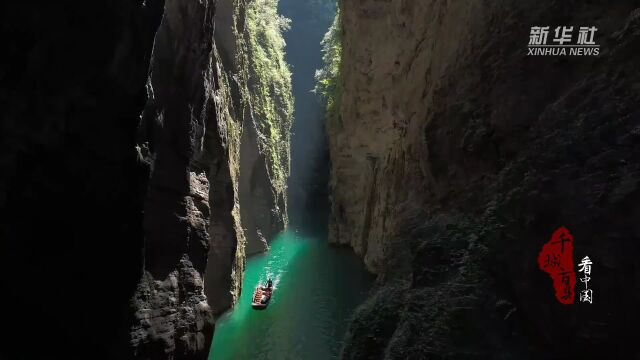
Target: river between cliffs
317,287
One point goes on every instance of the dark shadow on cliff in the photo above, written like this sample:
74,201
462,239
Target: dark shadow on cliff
71,187
511,148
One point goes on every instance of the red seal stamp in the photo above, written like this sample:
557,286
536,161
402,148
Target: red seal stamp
556,259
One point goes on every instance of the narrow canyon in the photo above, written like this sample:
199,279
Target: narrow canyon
148,149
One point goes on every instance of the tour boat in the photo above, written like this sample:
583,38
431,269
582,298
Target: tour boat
261,297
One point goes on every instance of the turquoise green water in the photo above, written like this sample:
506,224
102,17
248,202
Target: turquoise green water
317,287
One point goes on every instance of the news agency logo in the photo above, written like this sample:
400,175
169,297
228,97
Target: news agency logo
562,41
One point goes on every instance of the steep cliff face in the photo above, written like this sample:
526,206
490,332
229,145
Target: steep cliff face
71,190
258,98
218,169
190,145
252,50
454,157
120,177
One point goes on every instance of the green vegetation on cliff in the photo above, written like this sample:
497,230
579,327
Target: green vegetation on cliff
252,49
269,85
328,78
256,101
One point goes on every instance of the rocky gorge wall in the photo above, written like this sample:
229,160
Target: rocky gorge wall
252,51
121,174
190,145
214,196
72,84
258,98
454,156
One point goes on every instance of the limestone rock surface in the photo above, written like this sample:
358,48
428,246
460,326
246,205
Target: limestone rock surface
454,156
